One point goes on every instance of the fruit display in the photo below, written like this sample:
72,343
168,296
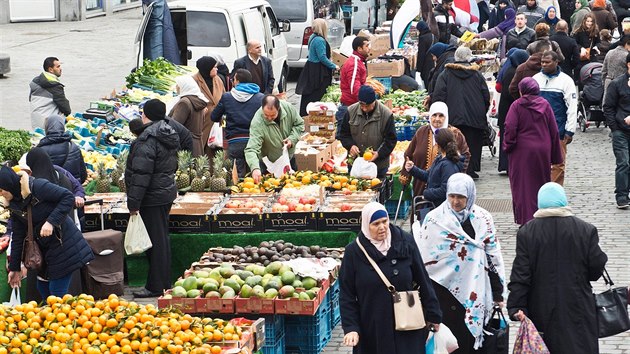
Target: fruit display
342,202
283,204
93,158
79,324
194,174
245,205
269,251
268,184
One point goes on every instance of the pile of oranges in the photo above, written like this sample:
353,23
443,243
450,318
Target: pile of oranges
79,324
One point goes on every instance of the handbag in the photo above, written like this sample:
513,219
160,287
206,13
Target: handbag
612,309
31,254
408,313
528,340
496,334
586,54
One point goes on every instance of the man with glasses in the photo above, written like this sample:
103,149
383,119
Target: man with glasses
369,124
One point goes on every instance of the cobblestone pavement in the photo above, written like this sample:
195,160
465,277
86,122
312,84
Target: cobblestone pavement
98,53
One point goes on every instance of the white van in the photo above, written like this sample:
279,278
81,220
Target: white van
301,13
224,27
368,14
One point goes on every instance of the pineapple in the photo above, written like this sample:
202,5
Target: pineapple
118,176
102,179
184,160
218,182
228,166
198,183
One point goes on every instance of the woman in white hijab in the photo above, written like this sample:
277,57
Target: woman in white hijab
423,148
463,258
366,303
189,110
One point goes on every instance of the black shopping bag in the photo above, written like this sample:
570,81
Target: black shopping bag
496,334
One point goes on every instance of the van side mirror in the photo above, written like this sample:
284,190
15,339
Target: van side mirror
286,26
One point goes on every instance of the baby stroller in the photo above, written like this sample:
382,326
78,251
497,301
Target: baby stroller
590,96
489,137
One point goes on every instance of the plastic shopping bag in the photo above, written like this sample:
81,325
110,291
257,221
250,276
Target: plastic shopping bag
281,166
15,298
441,342
136,238
77,222
215,140
528,340
363,169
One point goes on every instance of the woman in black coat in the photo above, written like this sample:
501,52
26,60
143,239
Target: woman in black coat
557,256
515,58
63,247
62,151
424,62
367,315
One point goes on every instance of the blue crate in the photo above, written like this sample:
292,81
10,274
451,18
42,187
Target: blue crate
275,348
391,206
406,132
308,334
386,82
333,299
274,329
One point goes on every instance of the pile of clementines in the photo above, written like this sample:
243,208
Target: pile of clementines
79,324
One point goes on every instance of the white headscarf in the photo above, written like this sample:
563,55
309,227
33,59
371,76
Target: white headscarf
438,107
188,87
366,217
462,184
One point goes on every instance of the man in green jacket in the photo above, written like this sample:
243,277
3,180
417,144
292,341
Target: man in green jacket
276,124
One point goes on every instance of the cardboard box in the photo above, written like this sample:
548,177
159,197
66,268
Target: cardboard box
254,305
230,223
214,305
379,45
295,306
337,57
394,68
185,305
293,221
313,157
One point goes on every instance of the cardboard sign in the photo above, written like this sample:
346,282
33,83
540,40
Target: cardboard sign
467,37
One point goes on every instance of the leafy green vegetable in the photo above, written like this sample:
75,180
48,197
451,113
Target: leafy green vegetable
333,94
158,74
13,144
412,99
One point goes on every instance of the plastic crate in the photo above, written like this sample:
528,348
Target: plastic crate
308,334
386,82
276,347
391,206
406,132
333,298
274,329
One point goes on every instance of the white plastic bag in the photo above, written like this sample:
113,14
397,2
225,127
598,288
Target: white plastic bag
136,238
441,342
420,82
15,298
77,222
281,166
363,169
215,140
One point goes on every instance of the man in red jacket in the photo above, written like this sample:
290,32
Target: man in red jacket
353,75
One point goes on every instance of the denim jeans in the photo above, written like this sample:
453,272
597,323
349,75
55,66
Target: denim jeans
58,287
621,149
341,112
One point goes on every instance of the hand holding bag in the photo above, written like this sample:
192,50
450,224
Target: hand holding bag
496,334
612,309
408,313
15,298
31,254
528,340
136,238
215,140
441,342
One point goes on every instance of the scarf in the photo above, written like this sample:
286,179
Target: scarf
188,87
41,166
375,210
10,182
515,57
459,263
551,22
438,107
508,23
584,5
244,91
461,184
205,64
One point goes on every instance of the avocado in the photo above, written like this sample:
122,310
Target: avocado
273,268
286,291
309,282
178,291
271,293
233,284
288,277
193,293
213,294
190,283
230,294
210,286
246,291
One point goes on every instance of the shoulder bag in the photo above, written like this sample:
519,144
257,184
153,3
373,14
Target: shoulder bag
408,313
586,54
612,309
31,254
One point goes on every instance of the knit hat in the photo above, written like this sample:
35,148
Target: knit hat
463,54
439,48
422,26
367,94
154,109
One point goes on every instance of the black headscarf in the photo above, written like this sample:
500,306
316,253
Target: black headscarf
10,182
205,64
41,165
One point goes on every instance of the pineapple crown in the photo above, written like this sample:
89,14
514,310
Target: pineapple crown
101,170
201,164
184,159
217,161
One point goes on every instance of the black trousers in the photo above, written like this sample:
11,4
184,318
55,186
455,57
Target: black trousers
156,221
314,96
474,139
454,316
503,160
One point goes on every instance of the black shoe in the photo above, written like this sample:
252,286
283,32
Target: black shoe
144,293
624,204
474,175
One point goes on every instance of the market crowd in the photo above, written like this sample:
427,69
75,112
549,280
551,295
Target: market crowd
452,257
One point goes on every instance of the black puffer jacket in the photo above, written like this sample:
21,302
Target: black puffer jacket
66,250
62,151
464,90
447,57
151,166
185,136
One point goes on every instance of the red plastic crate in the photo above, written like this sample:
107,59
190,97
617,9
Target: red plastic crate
254,305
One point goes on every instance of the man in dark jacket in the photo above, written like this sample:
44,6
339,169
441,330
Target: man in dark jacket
464,90
622,10
533,13
238,106
62,151
442,54
369,124
47,95
569,47
445,22
424,63
151,190
259,66
617,113
520,36
529,68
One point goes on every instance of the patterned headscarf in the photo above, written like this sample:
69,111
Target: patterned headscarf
462,184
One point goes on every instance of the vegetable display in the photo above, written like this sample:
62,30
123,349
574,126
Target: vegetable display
158,74
13,144
333,94
413,99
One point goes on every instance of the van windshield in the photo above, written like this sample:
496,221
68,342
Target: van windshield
207,29
292,10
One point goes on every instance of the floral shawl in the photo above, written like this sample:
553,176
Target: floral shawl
460,263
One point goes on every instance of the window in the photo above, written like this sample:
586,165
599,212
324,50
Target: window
207,29
292,10
326,9
275,30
